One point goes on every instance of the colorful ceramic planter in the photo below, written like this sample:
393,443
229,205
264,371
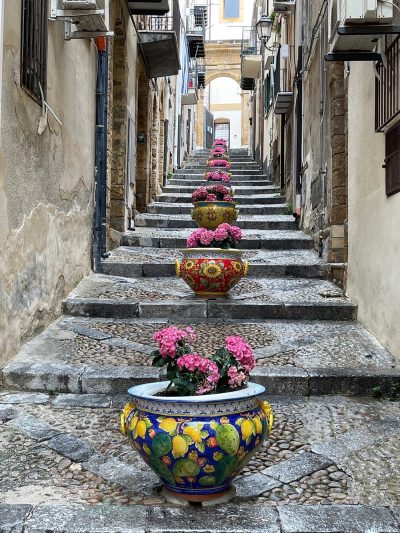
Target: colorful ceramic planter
196,444
210,215
211,272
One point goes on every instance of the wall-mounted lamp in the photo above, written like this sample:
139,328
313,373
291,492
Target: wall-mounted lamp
264,28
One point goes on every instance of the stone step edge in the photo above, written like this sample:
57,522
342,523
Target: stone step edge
170,241
111,380
167,269
208,309
232,518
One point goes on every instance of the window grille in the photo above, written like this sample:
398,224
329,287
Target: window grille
392,161
34,48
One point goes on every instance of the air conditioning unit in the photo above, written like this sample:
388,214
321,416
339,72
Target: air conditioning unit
83,18
353,14
284,6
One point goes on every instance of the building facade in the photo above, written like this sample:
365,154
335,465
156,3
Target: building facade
324,126
93,119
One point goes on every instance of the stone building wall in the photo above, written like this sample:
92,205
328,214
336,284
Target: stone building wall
46,183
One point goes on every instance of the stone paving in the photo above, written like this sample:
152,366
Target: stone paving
331,463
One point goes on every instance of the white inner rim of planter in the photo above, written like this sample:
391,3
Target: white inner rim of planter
148,391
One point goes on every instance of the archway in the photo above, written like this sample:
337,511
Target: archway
223,99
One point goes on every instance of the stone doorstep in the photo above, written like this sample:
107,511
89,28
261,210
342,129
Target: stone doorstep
108,380
167,269
199,309
242,518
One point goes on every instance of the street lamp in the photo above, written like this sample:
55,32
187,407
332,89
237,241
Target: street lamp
264,28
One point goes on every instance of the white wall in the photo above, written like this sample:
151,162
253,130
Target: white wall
225,102
221,29
374,219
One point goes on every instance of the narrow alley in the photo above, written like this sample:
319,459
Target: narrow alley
95,273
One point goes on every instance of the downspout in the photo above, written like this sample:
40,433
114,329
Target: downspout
299,120
282,155
99,230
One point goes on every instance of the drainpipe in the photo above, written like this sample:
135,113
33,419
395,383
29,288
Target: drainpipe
99,229
298,154
282,161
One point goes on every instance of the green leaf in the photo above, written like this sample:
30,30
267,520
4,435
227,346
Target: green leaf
204,434
200,446
159,361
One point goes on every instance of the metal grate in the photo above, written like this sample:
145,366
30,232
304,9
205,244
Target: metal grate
34,47
387,86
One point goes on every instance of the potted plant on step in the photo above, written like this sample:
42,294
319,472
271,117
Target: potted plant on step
218,175
211,264
201,427
220,142
219,163
213,205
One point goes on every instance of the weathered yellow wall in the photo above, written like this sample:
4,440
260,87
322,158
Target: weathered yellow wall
46,183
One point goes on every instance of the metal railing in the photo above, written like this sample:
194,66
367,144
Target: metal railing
387,85
197,21
251,45
154,23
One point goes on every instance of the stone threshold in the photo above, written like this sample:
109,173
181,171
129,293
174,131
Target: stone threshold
76,518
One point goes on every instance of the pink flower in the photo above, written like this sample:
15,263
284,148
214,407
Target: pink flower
242,352
236,377
220,234
169,339
197,364
228,198
207,237
211,198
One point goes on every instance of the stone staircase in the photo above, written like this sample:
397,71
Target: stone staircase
63,455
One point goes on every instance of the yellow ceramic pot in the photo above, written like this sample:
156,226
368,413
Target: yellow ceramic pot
210,215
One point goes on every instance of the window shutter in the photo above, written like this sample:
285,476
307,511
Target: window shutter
392,161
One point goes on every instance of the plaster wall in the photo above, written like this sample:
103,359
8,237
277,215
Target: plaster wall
374,219
221,29
46,183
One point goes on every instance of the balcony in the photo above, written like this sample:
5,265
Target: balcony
196,31
284,6
250,54
153,7
159,46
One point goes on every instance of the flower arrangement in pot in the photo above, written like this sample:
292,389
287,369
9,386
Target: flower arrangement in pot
218,175
213,205
220,142
219,151
211,263
219,163
201,427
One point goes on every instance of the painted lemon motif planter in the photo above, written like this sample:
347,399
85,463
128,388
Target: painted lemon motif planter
211,271
196,444
210,215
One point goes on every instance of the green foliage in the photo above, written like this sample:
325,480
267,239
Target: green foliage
289,209
390,393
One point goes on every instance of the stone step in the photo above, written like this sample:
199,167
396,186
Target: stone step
256,199
236,171
238,189
177,209
100,295
98,355
82,477
202,182
133,262
263,222
253,239
199,176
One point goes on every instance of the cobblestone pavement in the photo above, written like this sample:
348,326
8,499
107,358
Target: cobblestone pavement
331,450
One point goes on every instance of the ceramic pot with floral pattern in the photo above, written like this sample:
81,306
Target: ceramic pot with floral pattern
196,444
210,215
211,271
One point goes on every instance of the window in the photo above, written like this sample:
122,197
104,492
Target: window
231,9
34,47
392,161
268,93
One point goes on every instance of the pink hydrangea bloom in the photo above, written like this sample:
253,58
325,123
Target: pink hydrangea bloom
207,237
219,163
241,351
168,339
195,363
220,234
228,198
236,377
211,198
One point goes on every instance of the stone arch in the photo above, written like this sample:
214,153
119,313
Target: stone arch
213,75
